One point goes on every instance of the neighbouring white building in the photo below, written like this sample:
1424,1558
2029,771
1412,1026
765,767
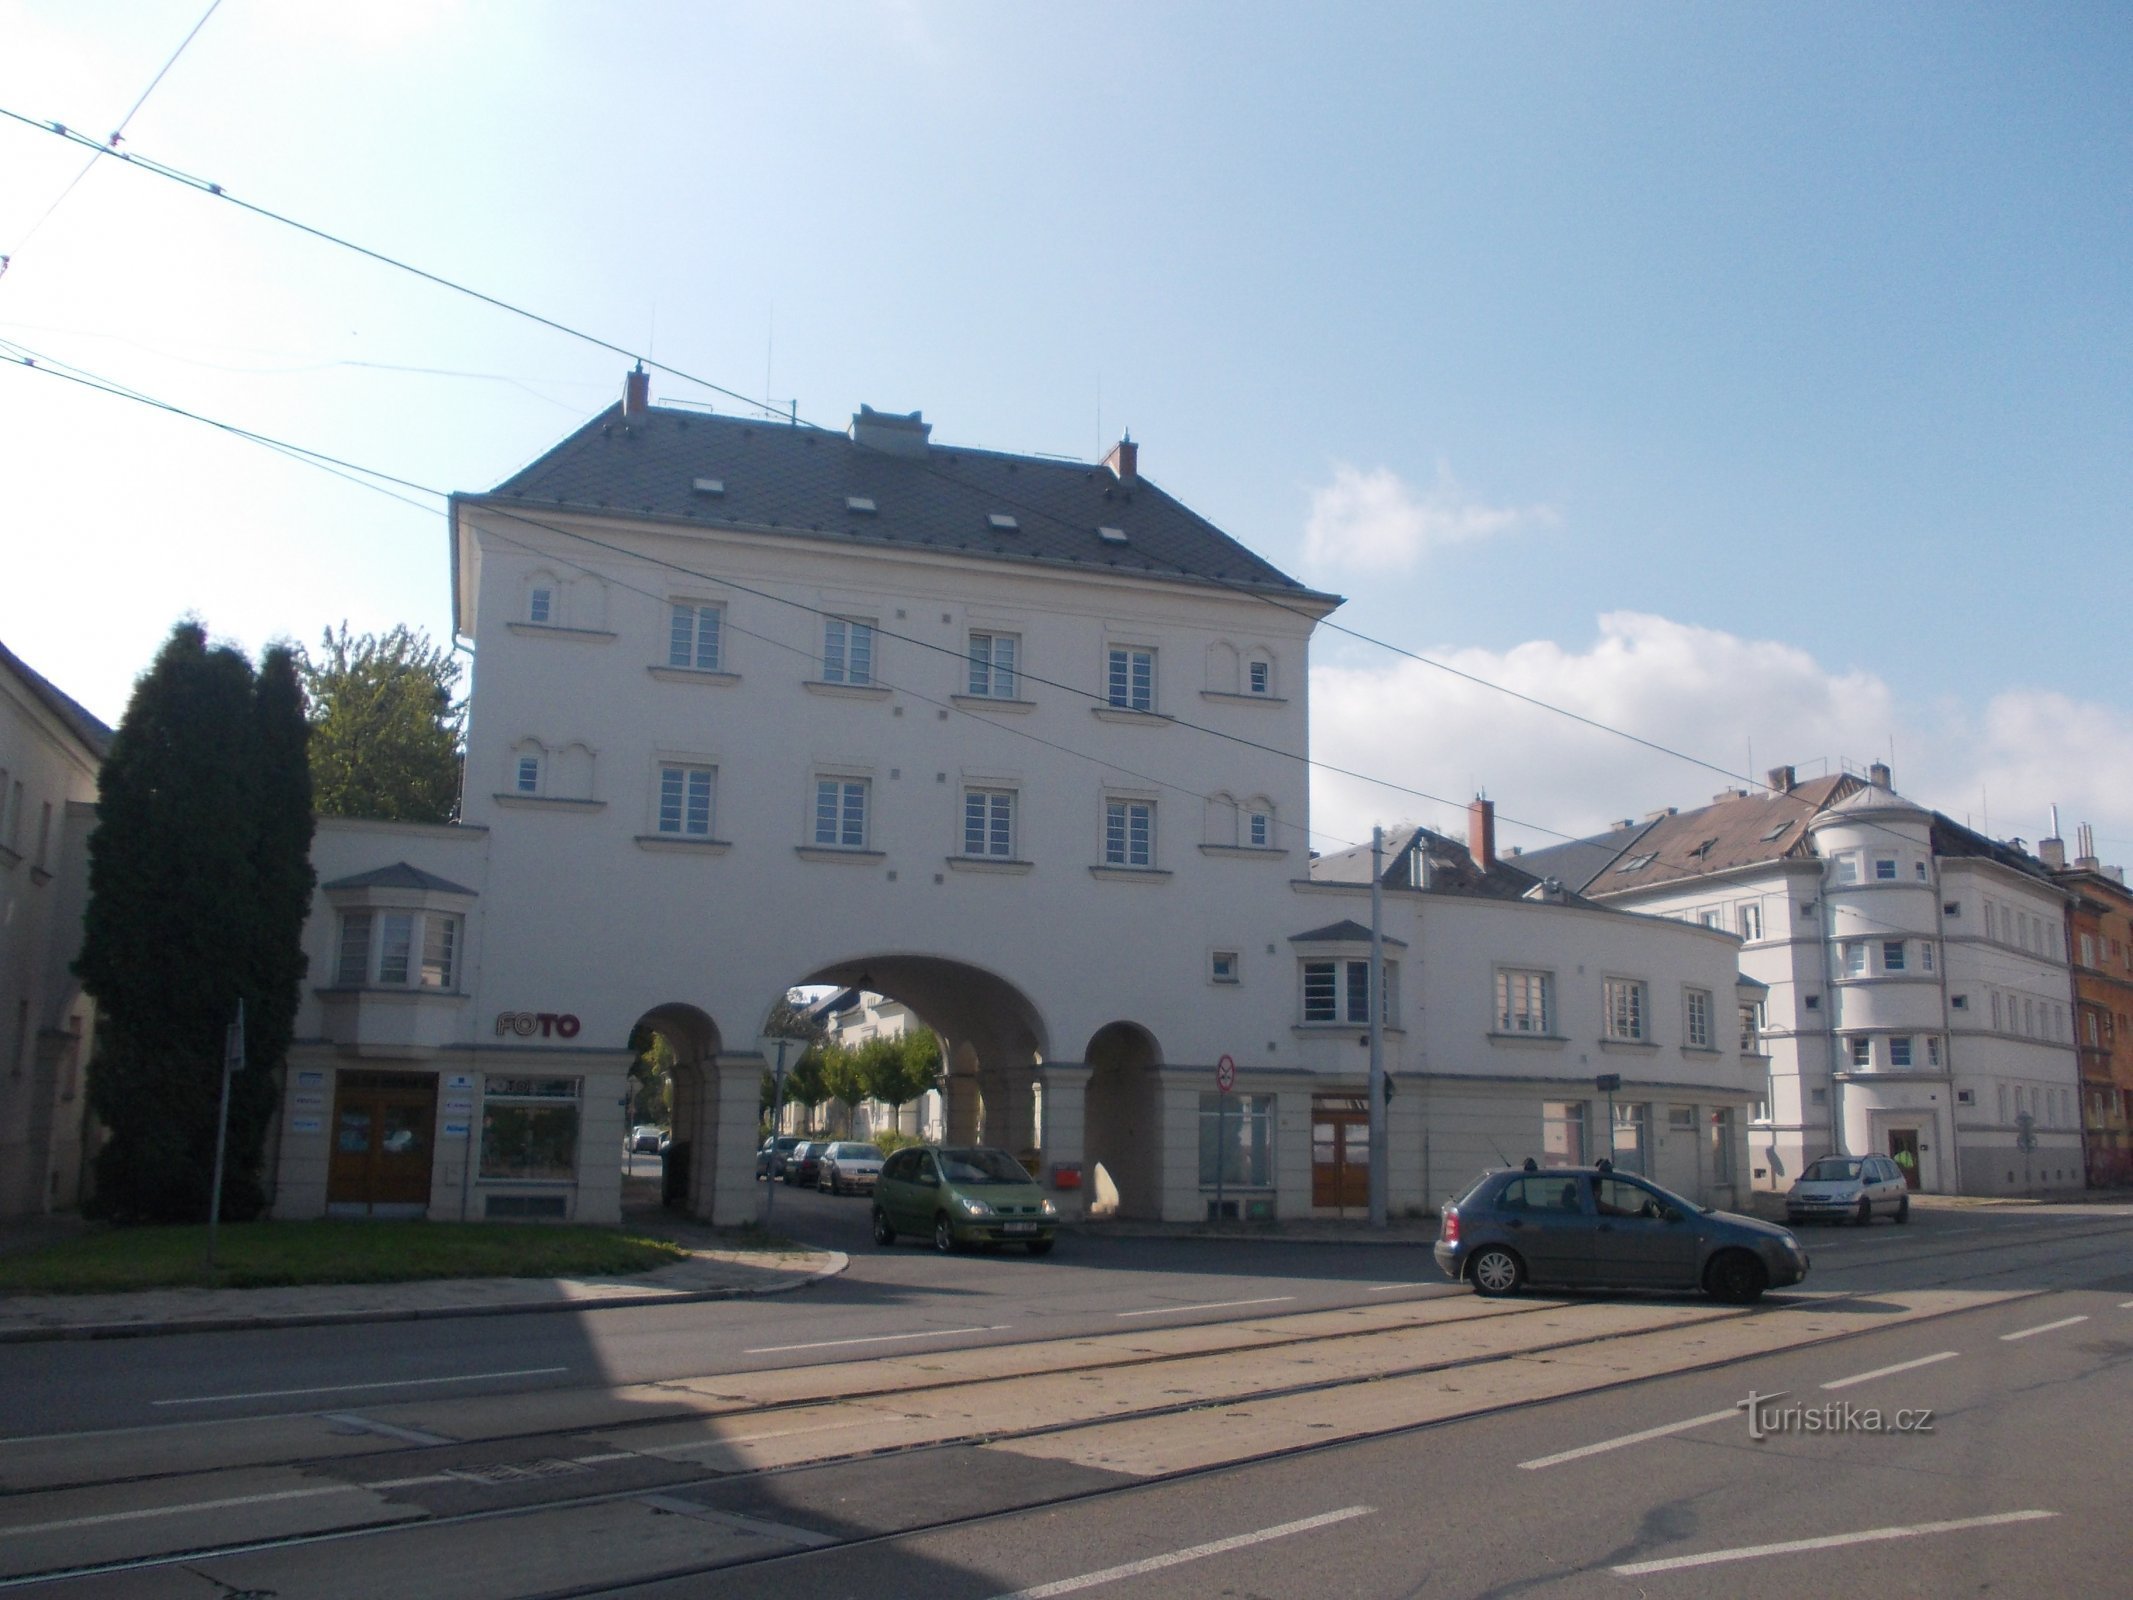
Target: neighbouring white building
1015,741
852,1017
51,750
1919,991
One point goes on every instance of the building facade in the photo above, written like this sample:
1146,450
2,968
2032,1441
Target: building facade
2100,938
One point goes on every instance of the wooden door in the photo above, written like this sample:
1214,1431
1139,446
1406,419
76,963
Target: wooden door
383,1129
1340,1152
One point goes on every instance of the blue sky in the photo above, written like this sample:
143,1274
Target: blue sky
1755,378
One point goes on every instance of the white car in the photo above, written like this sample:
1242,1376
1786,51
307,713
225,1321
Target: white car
849,1168
1838,1187
645,1137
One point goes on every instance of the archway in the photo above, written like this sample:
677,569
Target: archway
1124,1131
691,1160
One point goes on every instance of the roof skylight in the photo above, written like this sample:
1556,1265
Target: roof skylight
709,486
1111,535
1638,863
860,503
1001,522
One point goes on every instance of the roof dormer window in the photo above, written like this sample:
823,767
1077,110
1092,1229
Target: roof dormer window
860,504
1001,522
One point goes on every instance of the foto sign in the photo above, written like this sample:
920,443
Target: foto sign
1226,1074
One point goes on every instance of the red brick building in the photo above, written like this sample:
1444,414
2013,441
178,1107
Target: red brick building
2100,942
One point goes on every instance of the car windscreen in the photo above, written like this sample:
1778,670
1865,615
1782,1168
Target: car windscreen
983,1166
1831,1169
856,1152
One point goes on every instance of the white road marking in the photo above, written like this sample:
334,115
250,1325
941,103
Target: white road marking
1883,1372
350,1388
1388,1288
1704,1421
872,1338
1637,1569
348,1419
173,1511
1211,1305
2125,1305
1177,1558
2044,1327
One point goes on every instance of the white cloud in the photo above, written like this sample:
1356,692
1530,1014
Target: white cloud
1708,694
1376,522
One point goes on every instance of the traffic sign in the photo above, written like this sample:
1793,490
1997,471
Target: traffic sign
1226,1074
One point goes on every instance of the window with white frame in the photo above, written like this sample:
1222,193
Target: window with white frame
1751,919
1862,1052
1884,869
1900,1051
1259,827
1129,683
397,949
1258,676
1223,966
540,604
526,773
1129,833
1696,1016
841,813
1339,991
989,823
1625,1008
1237,1141
1632,1136
1562,1133
1933,1051
995,665
1854,953
1525,1001
1892,955
1844,868
1925,956
696,636
847,650
685,800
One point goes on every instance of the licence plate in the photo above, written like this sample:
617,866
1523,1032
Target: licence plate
1018,1227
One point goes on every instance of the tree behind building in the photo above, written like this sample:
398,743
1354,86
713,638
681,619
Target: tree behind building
385,727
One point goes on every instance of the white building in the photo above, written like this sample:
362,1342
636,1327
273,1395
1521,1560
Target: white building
854,1016
1015,741
1918,985
50,753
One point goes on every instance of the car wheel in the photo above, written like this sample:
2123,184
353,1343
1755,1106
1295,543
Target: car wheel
1735,1277
1903,1209
1866,1212
943,1234
884,1234
1040,1247
1496,1272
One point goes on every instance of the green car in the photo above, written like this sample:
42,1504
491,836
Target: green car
962,1194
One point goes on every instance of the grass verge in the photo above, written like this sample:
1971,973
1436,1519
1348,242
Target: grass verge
256,1255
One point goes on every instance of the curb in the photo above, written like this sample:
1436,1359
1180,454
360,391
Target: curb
838,1261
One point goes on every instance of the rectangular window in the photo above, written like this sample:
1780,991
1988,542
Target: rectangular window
1862,1052
1339,991
1562,1133
1933,1051
847,651
1925,957
1259,828
1525,1002
1918,869
989,823
993,659
1129,833
440,950
2088,950
1321,991
1751,919
1899,1051
1844,869
1130,685
1884,869
685,801
1237,1140
529,1129
396,945
1260,677
1892,955
694,636
841,813
540,605
1696,1007
1222,966
352,970
528,778
1854,959
1632,1136
1625,1008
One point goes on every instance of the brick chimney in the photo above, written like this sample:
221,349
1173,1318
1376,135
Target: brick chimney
1783,780
1878,775
1125,461
636,392
1481,832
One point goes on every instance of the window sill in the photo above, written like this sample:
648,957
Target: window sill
1711,1050
1529,1041
1000,864
825,852
986,702
683,844
1359,1030
1233,697
549,630
1633,1047
1247,852
1130,874
846,691
542,802
721,680
1123,714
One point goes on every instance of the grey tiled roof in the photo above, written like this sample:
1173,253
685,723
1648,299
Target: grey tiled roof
1451,869
1577,863
62,705
400,875
798,480
1345,931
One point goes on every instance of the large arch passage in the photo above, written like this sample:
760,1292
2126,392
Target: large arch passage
1124,1130
691,1161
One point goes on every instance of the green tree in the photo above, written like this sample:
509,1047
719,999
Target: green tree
903,1069
844,1077
199,882
651,1077
789,1019
385,726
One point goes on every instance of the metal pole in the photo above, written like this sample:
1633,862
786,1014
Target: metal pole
1378,1157
232,1059
777,1107
1221,1151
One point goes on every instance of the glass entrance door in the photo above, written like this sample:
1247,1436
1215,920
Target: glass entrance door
383,1128
1340,1152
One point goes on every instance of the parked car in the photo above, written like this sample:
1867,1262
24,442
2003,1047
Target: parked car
803,1161
1594,1227
1838,1187
770,1160
646,1137
848,1167
962,1194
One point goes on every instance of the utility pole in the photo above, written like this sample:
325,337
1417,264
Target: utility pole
1378,1142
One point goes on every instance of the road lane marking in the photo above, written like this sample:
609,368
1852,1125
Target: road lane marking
1704,1421
143,1512
872,1338
348,1419
350,1388
1211,1305
2044,1327
2125,1305
1637,1569
1177,1558
1884,1372
1388,1288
